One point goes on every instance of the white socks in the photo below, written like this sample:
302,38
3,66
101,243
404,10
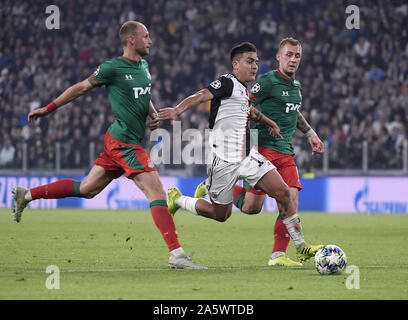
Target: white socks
295,229
188,203
177,252
277,254
28,196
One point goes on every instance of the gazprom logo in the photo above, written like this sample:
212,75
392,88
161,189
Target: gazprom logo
141,91
365,202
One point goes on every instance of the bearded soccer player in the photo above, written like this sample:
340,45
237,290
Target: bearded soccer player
278,95
232,159
128,83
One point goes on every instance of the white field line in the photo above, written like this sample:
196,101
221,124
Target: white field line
19,272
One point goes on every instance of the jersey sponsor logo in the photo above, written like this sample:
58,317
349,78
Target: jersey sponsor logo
285,93
256,88
97,71
293,107
128,77
141,91
216,84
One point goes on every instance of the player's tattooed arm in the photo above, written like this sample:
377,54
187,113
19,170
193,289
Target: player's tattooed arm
258,116
302,124
315,142
255,114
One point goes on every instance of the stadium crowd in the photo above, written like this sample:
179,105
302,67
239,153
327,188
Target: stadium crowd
354,81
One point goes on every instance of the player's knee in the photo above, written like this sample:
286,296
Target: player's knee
223,217
251,210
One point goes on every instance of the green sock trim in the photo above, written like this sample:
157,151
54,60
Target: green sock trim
239,200
76,188
158,203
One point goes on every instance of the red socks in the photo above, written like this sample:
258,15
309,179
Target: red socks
280,232
56,190
164,221
281,236
239,195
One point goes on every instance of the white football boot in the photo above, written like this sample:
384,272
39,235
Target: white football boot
19,202
183,261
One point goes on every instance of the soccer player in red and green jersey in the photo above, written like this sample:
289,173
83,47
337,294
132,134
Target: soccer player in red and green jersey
278,95
128,83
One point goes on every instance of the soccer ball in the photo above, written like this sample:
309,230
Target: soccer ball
330,259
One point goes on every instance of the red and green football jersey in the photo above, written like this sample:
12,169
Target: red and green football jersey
128,84
279,98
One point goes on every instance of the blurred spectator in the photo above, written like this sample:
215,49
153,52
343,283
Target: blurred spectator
268,25
7,152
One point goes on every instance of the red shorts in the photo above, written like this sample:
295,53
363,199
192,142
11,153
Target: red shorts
123,157
286,166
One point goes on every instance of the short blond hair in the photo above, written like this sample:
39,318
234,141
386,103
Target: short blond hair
290,40
127,29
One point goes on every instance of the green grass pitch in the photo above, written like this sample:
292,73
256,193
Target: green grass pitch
121,255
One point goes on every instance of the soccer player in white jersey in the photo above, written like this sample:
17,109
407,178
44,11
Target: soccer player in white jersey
232,159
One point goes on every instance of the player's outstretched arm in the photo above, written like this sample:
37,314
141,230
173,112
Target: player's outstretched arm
258,116
201,96
314,140
67,96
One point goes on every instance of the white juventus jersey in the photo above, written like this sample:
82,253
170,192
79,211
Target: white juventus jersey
229,119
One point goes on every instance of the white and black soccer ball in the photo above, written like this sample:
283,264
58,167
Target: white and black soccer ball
330,259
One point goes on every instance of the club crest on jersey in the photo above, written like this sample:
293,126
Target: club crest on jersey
150,164
216,84
256,88
245,108
148,75
285,93
128,77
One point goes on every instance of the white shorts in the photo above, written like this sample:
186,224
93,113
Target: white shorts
222,175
